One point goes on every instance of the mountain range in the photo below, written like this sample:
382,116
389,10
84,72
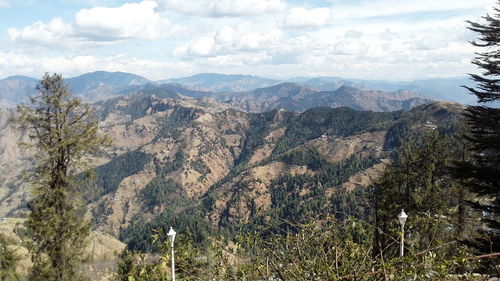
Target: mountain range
223,82
247,92
92,86
202,165
219,155
448,89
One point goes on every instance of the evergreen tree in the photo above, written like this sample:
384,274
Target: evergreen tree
419,182
62,132
482,172
8,261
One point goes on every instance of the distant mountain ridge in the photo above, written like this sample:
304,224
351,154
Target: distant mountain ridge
86,81
91,86
15,89
297,97
101,84
26,79
223,82
247,92
449,89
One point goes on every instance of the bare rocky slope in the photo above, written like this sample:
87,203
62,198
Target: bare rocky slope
199,165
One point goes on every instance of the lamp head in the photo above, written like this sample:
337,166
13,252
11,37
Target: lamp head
171,235
402,217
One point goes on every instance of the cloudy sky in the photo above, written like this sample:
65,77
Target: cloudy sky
158,39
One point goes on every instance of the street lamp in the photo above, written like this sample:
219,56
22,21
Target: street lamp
171,237
402,219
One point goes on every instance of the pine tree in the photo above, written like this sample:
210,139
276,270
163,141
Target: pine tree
8,261
62,132
482,172
419,182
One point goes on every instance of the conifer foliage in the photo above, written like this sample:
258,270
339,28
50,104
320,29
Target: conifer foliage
418,181
8,261
482,172
62,131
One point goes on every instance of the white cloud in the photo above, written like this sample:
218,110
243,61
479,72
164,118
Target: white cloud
259,41
225,35
342,50
379,39
350,47
12,64
302,18
382,8
221,8
204,46
98,26
237,60
228,40
4,4
388,35
41,33
430,42
355,34
131,20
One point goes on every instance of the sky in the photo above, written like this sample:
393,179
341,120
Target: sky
160,39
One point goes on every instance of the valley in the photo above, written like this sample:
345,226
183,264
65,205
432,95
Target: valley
218,165
202,165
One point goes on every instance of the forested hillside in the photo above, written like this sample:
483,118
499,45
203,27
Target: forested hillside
213,172
201,167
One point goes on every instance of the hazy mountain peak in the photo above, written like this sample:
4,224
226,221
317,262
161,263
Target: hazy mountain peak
102,84
111,78
285,85
223,82
21,78
16,89
346,88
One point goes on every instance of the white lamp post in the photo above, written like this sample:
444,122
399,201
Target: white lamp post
402,219
171,237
